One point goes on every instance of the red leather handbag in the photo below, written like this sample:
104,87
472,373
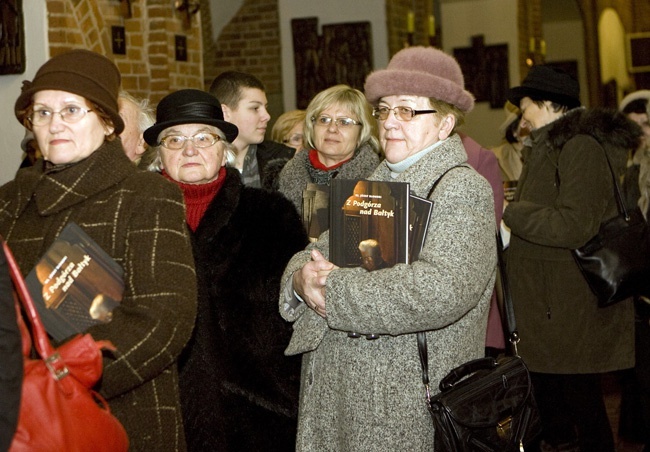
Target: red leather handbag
59,410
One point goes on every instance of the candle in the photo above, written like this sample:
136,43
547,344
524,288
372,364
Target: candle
542,47
432,25
531,45
410,22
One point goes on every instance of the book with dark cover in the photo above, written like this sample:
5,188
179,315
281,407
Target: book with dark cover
419,225
369,223
509,190
315,210
75,285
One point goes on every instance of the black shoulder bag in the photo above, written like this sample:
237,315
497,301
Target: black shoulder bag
485,404
616,262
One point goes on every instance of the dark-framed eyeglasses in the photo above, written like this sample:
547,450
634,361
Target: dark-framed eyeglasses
401,113
200,140
69,114
325,121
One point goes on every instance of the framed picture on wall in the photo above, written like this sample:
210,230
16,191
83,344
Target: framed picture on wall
638,52
12,37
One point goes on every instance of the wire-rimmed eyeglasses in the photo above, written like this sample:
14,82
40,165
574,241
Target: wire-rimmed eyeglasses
200,140
69,114
401,113
325,121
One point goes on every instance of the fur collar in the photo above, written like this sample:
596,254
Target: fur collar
609,127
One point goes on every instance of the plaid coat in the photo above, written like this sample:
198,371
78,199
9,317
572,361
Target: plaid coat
138,218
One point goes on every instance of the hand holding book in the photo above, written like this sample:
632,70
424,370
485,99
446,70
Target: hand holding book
309,282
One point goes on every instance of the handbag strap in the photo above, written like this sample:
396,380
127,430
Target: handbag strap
511,323
509,310
617,189
41,341
421,336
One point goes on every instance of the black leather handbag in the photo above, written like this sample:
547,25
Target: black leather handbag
616,262
485,404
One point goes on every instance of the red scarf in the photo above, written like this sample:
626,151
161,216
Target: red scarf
198,197
313,159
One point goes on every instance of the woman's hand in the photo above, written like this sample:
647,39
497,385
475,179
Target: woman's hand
309,282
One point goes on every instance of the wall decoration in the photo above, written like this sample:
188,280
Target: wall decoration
343,54
118,40
12,37
180,47
485,69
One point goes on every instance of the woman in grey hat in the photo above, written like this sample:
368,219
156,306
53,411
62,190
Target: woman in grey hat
359,394
136,217
565,192
238,390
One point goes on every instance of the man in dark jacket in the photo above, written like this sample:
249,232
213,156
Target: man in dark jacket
243,100
11,358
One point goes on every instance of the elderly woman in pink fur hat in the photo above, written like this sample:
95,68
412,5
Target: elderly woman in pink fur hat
361,394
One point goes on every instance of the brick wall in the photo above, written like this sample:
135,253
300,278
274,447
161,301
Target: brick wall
149,68
250,43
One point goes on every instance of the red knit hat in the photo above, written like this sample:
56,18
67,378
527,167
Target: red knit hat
82,72
421,71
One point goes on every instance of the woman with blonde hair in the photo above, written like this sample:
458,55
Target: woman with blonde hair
341,138
288,129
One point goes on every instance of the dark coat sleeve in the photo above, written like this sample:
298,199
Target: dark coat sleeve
11,359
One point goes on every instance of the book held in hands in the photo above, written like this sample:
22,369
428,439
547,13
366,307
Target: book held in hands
369,223
75,285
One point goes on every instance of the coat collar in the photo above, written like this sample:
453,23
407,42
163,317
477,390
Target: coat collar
610,128
221,208
423,174
60,187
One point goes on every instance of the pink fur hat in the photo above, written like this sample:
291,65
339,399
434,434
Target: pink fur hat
421,71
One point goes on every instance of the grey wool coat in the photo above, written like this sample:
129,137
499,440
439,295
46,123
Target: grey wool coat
564,193
359,394
294,177
138,218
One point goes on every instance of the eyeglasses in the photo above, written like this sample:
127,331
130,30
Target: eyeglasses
69,114
401,113
325,121
295,139
200,140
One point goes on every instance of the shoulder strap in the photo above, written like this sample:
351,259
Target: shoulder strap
511,324
435,184
421,336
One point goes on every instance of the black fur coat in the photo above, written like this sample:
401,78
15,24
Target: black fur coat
238,390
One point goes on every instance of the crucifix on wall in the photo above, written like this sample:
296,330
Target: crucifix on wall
485,69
